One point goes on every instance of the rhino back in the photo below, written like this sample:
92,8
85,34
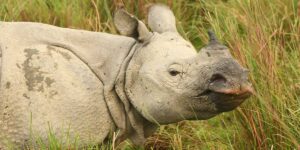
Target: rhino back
49,87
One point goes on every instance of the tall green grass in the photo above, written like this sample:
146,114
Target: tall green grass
264,35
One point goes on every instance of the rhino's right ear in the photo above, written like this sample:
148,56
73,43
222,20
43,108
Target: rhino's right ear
161,19
129,25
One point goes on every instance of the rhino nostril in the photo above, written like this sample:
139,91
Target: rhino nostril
217,78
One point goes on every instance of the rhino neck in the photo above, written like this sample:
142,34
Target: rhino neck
127,119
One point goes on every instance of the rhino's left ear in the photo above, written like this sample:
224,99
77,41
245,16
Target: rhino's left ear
129,25
161,19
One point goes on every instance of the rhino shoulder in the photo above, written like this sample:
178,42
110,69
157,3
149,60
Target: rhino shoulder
44,85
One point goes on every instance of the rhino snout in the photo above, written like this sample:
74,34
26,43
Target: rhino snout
227,94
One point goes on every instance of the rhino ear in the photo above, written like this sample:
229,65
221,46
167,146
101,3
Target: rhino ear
129,25
161,19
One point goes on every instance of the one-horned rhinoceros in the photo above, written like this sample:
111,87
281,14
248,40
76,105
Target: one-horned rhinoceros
85,85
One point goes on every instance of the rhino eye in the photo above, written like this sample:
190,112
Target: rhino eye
173,72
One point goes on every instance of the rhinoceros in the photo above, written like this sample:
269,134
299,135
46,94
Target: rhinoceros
87,85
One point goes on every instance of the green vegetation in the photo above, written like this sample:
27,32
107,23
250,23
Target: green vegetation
264,35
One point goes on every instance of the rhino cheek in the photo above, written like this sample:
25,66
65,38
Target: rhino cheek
155,102
163,108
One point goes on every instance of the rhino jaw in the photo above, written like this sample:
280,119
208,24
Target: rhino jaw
228,99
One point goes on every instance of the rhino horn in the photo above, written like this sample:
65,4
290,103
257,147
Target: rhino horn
212,37
214,43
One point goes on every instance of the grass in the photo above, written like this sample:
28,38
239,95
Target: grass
264,35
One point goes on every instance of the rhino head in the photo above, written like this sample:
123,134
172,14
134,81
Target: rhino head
168,81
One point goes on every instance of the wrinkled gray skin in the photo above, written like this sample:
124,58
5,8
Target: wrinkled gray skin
85,85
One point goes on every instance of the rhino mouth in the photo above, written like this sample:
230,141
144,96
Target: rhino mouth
227,100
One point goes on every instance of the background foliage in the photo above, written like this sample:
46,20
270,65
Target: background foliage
264,35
